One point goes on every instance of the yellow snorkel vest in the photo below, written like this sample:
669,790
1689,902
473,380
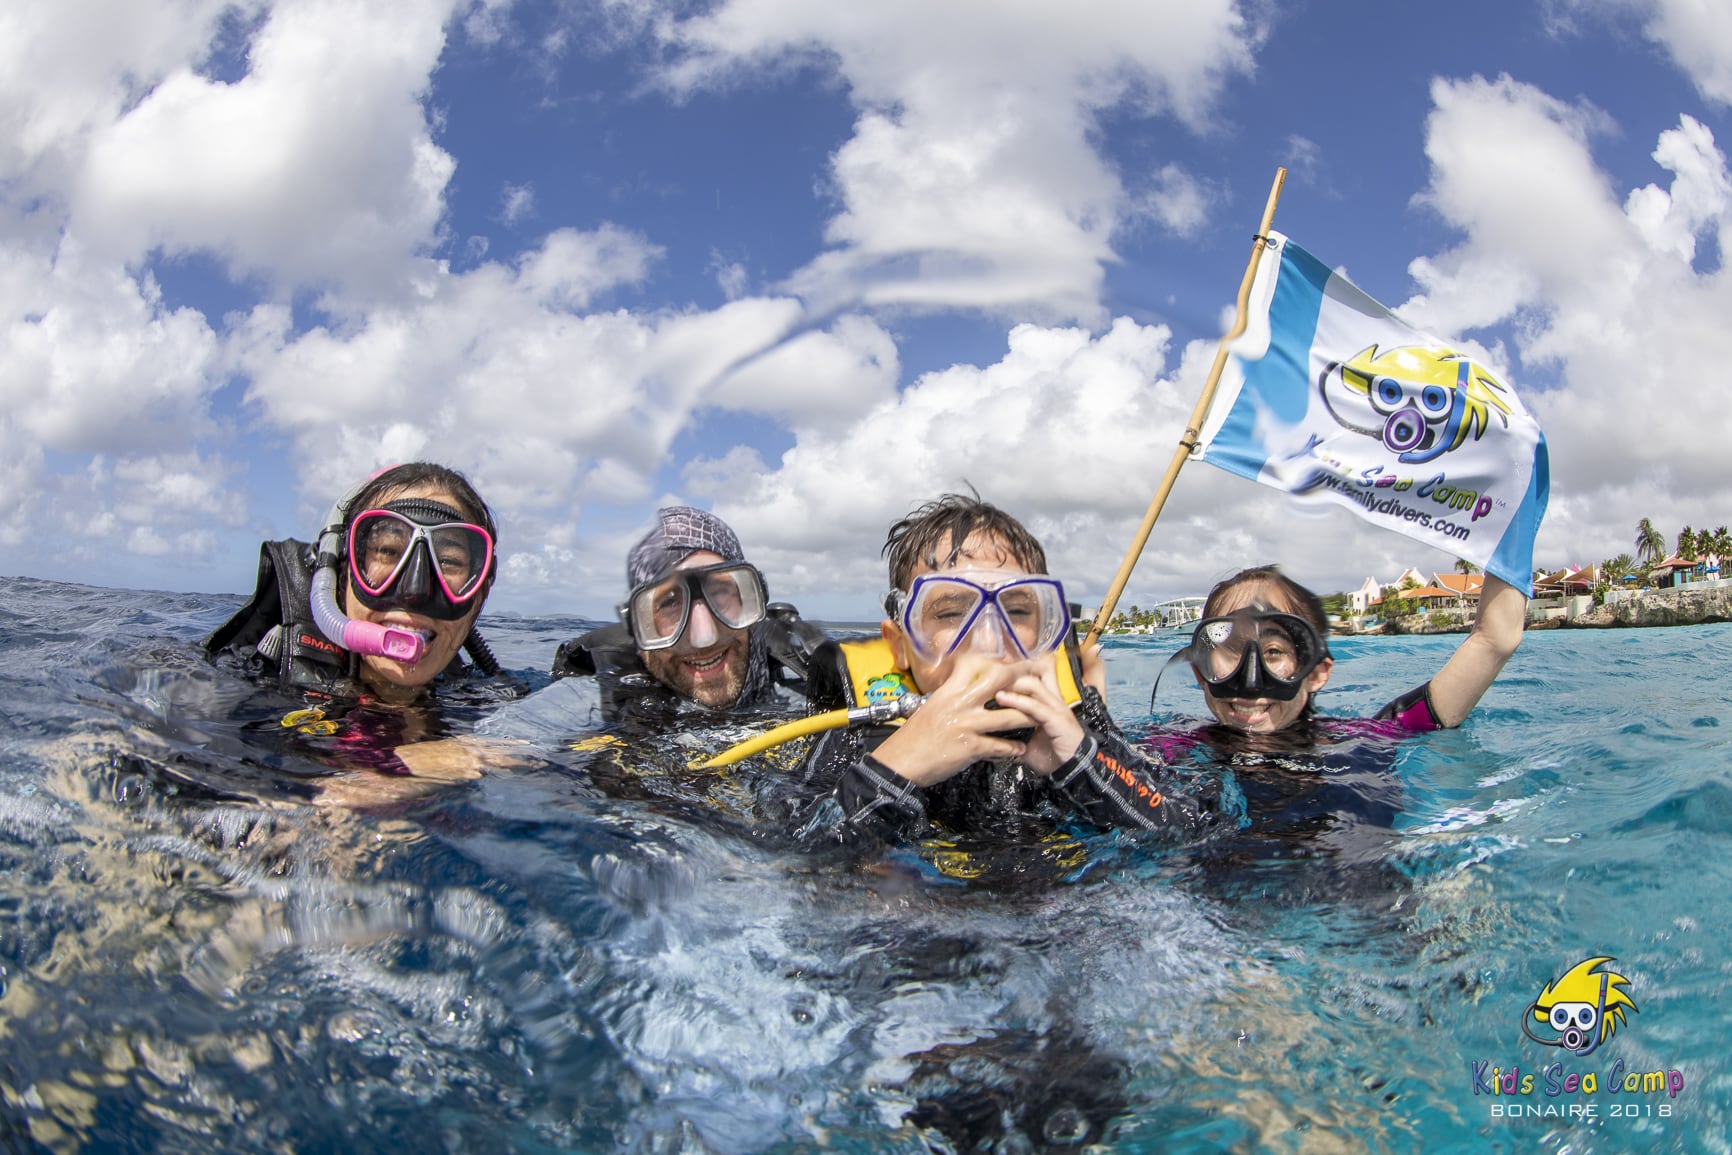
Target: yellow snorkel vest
874,677
879,691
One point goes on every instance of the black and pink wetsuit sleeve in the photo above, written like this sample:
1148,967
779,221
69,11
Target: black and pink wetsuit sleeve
1412,712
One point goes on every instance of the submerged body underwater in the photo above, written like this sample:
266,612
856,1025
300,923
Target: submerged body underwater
213,939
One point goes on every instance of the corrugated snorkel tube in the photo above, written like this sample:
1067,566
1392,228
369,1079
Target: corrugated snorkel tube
366,638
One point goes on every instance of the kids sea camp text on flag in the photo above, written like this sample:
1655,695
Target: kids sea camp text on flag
1327,393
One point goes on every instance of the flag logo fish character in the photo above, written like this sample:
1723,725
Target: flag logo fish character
1420,401
1584,1007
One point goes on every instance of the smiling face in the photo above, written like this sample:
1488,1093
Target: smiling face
390,679
708,663
1262,715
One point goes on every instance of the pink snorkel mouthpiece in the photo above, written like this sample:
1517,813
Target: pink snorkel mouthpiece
393,642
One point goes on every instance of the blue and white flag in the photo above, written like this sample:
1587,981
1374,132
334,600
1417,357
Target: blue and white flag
1327,393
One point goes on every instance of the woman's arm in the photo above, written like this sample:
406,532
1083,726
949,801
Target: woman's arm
1470,671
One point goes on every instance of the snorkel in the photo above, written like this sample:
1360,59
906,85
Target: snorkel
365,638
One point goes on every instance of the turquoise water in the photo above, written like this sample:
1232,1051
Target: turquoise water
195,958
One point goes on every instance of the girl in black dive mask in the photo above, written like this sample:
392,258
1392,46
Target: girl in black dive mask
1260,656
1320,793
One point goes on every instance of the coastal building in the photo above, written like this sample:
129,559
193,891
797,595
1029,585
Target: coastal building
1465,586
1410,574
1174,613
1571,581
1676,571
1431,597
1366,597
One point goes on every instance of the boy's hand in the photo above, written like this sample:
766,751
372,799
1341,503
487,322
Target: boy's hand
954,727
1058,734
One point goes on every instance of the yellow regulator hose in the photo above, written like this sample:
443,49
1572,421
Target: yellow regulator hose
816,724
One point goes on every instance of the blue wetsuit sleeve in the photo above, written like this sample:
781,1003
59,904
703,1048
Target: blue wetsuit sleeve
1412,711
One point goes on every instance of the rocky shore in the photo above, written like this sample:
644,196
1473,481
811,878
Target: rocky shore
1682,607
1692,605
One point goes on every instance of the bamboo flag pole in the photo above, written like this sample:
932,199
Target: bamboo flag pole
1188,441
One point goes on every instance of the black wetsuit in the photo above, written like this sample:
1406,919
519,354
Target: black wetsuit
1107,782
1321,801
623,719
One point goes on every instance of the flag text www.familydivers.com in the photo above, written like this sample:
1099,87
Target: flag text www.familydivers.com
1430,503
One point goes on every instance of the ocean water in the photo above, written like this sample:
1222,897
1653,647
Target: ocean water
199,951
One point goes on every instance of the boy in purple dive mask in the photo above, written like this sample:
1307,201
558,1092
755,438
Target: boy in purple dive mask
976,625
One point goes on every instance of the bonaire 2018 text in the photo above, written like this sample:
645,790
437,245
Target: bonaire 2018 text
1636,1090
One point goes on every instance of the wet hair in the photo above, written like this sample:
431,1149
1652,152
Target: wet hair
418,474
1297,599
948,523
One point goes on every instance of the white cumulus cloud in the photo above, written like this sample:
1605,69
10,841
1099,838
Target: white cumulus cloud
971,179
1605,291
317,166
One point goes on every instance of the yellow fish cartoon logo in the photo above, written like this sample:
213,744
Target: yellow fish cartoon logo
1420,401
1584,1007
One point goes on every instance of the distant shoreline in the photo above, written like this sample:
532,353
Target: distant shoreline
1701,603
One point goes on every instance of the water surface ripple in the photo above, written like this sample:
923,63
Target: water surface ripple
195,955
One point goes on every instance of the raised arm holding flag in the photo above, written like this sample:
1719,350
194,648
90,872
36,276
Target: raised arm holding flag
1323,393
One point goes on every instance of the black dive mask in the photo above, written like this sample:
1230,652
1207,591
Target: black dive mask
420,556
1255,653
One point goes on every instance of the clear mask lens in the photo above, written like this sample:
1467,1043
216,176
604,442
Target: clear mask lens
1256,654
1005,614
659,611
395,562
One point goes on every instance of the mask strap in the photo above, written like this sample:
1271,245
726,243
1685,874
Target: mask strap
1183,655
422,511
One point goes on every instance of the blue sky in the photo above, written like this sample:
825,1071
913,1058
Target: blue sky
811,264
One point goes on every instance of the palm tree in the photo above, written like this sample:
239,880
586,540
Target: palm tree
1650,543
1463,566
1687,544
1720,544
